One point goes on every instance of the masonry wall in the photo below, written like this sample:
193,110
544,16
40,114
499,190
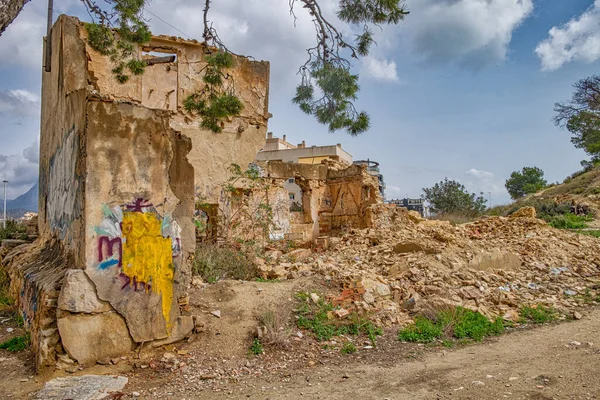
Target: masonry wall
120,165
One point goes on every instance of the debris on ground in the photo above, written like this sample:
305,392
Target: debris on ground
407,265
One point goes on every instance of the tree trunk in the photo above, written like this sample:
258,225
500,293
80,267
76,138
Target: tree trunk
9,9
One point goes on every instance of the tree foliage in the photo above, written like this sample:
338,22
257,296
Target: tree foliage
581,116
528,180
449,196
328,87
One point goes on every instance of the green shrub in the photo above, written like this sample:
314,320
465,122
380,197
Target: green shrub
458,322
538,315
214,262
18,343
568,221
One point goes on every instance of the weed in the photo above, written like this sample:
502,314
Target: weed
448,344
594,233
5,299
265,280
317,319
458,322
18,343
276,332
348,348
538,314
256,348
424,330
14,230
213,263
568,221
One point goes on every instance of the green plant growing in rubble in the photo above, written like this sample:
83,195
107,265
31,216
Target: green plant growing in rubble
328,88
458,323
316,318
256,348
17,343
348,348
538,315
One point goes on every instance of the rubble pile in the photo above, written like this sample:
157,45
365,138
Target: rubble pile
406,265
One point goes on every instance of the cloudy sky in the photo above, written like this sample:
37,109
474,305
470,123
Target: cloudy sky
462,89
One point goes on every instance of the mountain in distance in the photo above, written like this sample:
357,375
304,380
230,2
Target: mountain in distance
26,202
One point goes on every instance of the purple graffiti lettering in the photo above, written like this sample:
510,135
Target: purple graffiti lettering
105,241
137,286
138,205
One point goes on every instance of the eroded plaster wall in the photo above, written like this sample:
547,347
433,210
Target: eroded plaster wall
167,85
120,165
140,232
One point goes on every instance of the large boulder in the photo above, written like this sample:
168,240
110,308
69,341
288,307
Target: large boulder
88,338
78,294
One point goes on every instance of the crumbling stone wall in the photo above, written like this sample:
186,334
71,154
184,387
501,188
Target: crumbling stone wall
120,165
333,197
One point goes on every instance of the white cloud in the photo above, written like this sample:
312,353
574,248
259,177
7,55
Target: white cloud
21,170
19,103
380,70
480,173
474,32
577,40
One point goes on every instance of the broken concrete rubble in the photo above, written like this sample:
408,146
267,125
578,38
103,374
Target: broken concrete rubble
494,265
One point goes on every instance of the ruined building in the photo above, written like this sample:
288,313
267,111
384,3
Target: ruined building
124,169
120,168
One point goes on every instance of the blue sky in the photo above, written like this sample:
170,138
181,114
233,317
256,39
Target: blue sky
462,89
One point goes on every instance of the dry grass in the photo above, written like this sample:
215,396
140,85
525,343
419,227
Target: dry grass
275,329
213,262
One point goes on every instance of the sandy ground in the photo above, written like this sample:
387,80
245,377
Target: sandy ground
557,361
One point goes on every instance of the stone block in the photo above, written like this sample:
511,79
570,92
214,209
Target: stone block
91,337
181,329
78,294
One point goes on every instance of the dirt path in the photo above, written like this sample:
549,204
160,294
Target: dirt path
540,363
560,361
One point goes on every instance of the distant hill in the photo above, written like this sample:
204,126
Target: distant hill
25,202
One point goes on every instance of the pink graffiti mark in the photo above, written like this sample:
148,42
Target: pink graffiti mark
138,205
108,244
134,284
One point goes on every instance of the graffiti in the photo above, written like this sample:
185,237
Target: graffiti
110,244
136,286
139,247
139,205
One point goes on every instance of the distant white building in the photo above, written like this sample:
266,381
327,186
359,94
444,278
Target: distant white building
277,149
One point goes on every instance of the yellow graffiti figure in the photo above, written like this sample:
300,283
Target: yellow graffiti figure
147,257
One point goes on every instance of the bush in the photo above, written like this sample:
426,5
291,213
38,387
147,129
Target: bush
14,230
214,262
568,221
